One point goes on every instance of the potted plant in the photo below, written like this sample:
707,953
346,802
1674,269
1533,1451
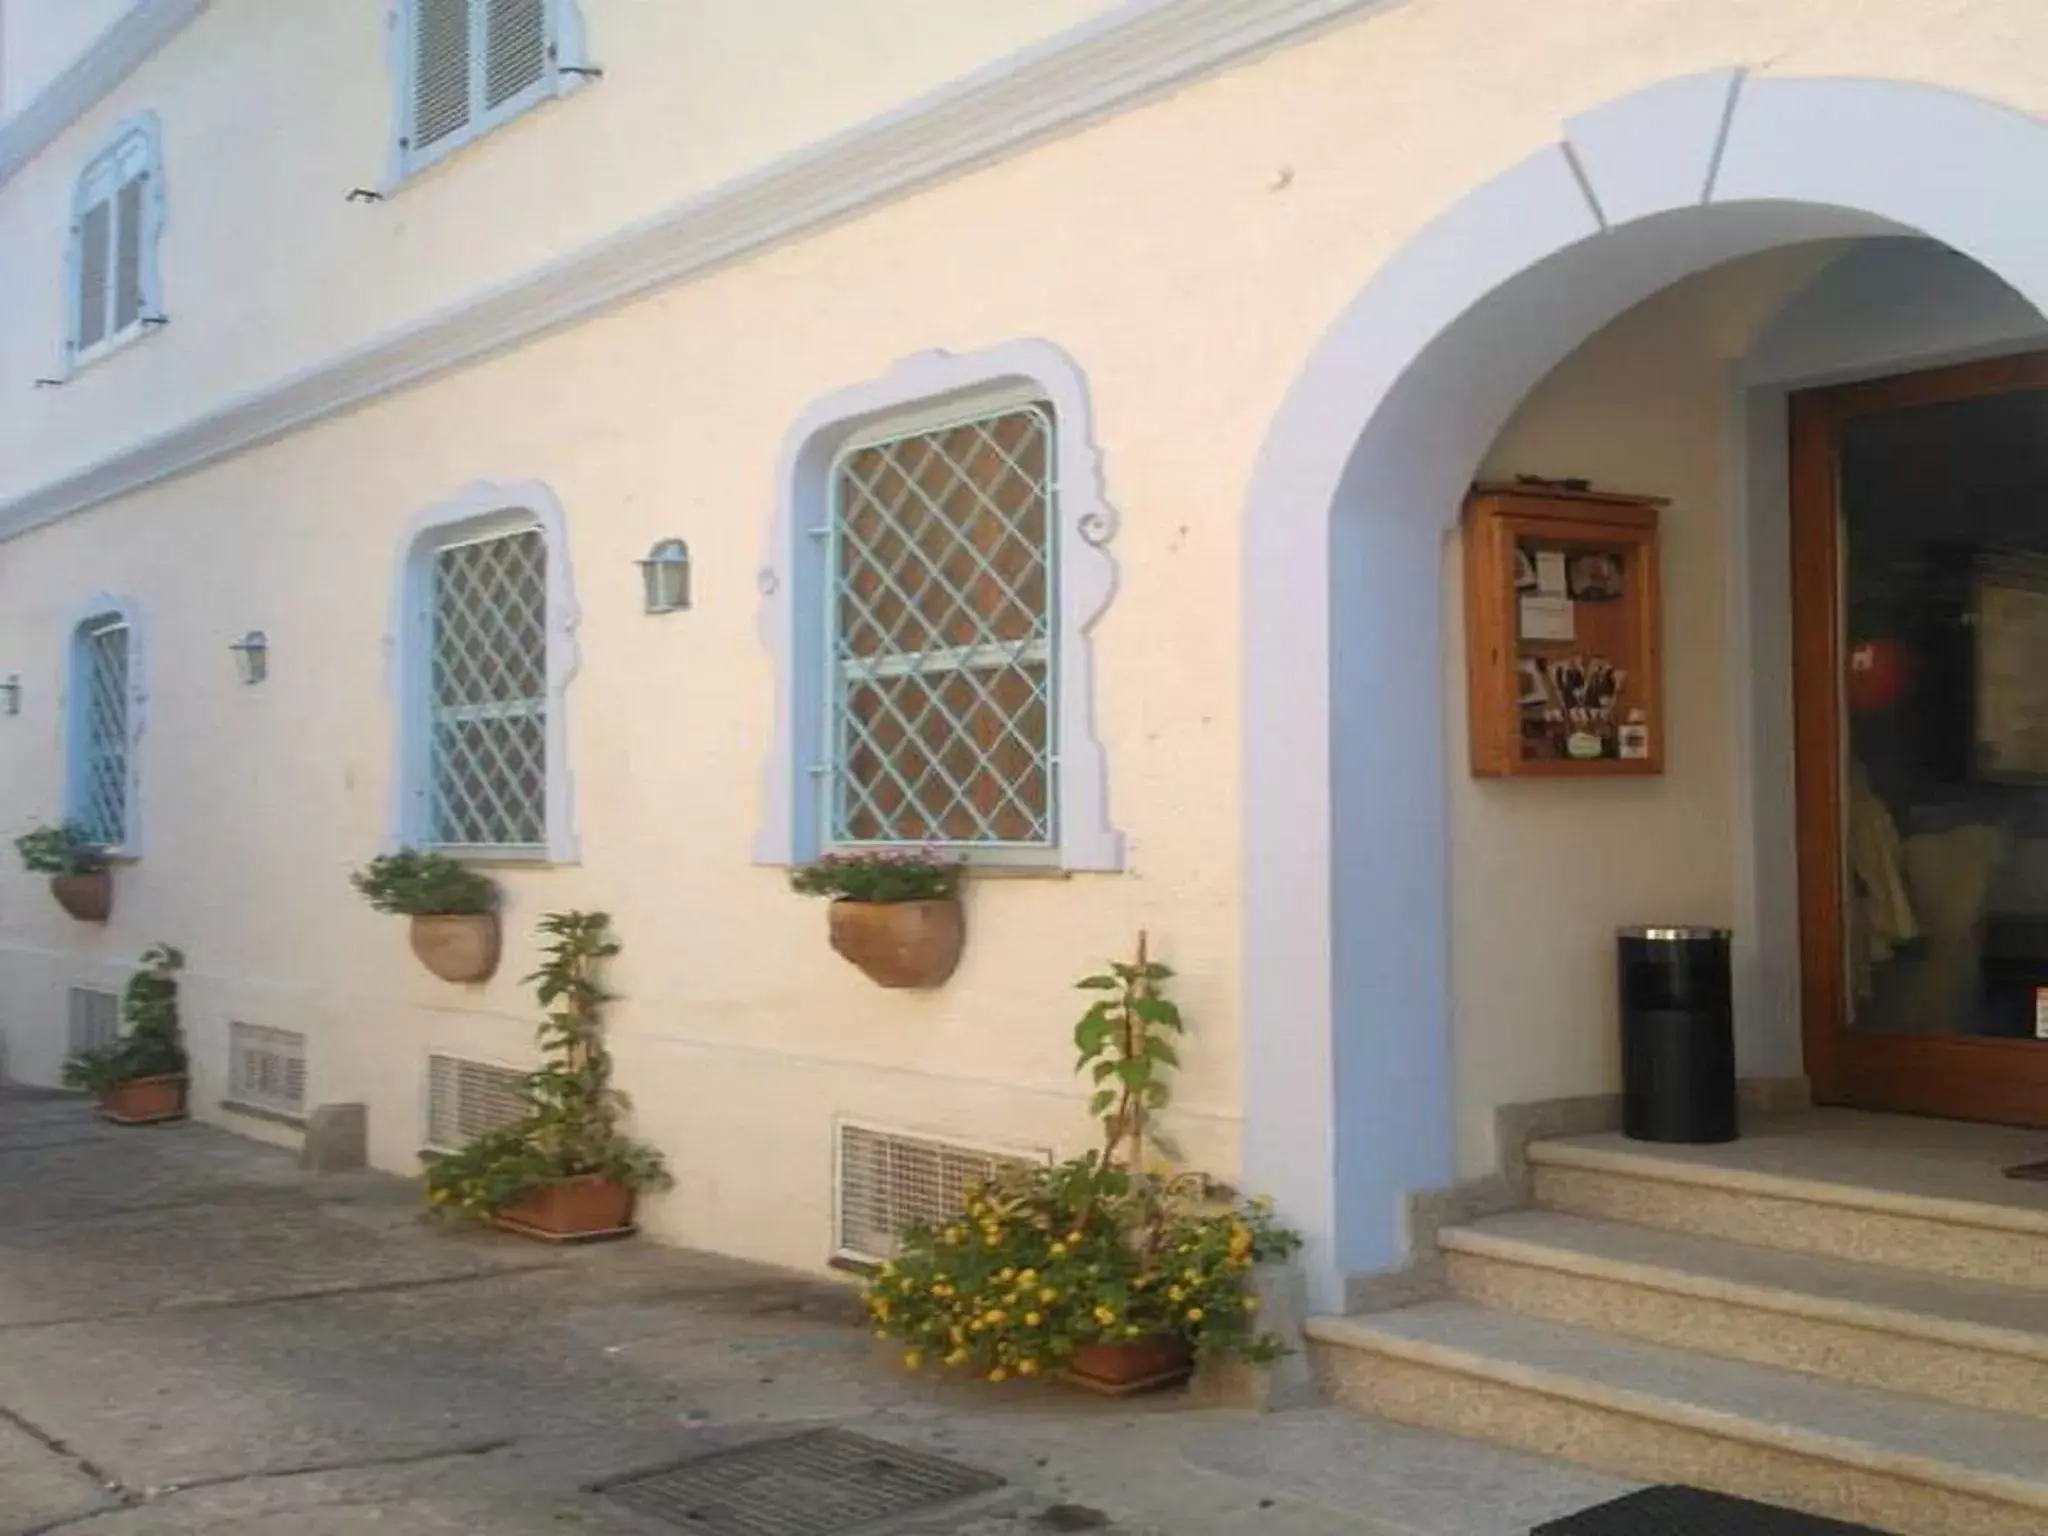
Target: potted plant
563,1171
895,913
77,867
1116,1276
454,909
140,1078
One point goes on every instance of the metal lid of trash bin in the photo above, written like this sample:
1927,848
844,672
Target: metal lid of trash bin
1672,935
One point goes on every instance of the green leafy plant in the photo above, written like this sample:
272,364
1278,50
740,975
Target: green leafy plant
1098,1249
571,1125
60,850
416,883
884,875
152,1045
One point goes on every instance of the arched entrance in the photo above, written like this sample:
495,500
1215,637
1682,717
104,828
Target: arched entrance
1349,1083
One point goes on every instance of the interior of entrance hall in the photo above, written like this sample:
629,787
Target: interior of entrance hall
1683,397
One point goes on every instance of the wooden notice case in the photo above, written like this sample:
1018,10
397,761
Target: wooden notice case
1564,669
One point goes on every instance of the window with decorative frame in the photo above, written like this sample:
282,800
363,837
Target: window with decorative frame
103,711
464,67
113,291
939,560
485,631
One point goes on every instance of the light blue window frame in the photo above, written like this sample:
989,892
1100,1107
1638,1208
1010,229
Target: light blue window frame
417,142
113,284
104,705
796,618
477,515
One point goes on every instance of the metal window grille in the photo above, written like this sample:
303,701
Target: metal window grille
467,1098
888,1179
103,777
267,1067
943,661
93,1019
488,693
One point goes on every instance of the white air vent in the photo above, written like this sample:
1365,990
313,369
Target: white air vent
267,1068
467,1098
94,1019
887,1179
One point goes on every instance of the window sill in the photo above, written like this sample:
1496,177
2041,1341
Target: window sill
112,347
258,1112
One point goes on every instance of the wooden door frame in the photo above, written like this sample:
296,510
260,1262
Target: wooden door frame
1976,1078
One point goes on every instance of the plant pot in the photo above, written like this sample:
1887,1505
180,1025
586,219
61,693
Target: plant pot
89,898
461,948
144,1100
585,1209
1149,1364
900,943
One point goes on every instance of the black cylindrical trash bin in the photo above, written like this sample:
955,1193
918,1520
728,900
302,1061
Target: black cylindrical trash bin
1677,1035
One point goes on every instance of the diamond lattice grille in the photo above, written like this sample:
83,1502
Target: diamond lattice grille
942,644
103,808
489,693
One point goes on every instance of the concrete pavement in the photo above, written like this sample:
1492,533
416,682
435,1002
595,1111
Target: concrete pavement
195,1337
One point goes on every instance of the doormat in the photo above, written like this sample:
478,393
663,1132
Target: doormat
1677,1511
816,1483
2038,1172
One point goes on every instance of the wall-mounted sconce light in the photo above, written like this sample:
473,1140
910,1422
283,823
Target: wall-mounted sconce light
10,695
666,573
252,656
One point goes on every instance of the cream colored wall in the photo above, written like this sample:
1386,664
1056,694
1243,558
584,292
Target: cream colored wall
1188,255
272,112
39,39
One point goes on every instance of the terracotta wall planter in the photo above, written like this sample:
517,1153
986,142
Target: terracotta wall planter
900,943
145,1100
581,1210
463,948
89,898
1138,1365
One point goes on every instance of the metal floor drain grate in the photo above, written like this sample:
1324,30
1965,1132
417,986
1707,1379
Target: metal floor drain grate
817,1483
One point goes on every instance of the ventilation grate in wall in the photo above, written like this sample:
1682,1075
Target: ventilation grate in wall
267,1068
93,1021
887,1179
467,1098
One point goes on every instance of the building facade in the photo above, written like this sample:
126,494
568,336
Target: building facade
1065,412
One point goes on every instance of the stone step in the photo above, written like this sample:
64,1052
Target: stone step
1913,1205
1897,1463
1968,1342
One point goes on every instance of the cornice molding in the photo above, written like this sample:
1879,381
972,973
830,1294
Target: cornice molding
89,79
1138,51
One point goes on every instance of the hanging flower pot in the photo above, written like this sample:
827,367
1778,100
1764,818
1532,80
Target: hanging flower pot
454,910
144,1100
457,947
900,943
88,898
1130,1366
77,866
895,913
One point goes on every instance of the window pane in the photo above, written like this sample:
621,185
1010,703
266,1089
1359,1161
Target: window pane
488,692
440,72
943,636
103,788
95,231
516,48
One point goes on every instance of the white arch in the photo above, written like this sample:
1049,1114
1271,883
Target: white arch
1346,997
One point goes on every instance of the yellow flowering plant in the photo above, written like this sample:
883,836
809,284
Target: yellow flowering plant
1046,1260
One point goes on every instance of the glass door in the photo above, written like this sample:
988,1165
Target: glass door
1920,617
